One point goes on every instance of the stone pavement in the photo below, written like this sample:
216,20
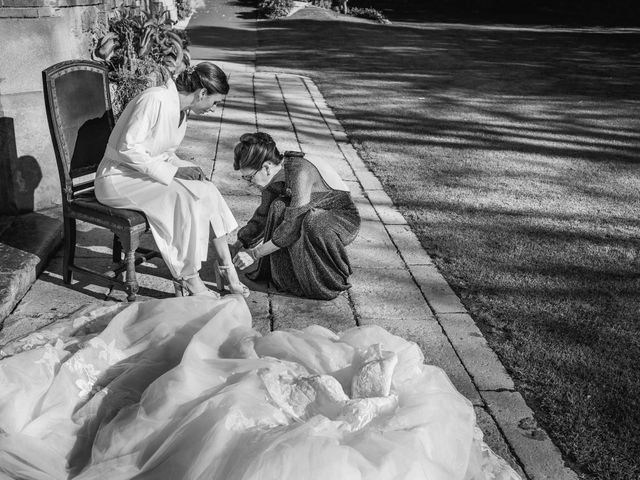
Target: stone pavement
395,284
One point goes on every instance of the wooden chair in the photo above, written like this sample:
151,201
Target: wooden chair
78,105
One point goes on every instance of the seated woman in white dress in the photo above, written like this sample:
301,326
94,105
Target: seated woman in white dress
140,171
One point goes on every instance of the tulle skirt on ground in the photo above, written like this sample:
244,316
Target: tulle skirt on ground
185,389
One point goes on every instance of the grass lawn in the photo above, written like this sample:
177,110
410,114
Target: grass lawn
514,153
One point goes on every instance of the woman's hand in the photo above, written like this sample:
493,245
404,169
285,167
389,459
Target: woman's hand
245,258
190,173
235,247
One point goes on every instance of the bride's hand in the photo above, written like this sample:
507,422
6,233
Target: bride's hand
243,259
190,173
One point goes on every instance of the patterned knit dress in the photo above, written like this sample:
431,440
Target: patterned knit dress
312,261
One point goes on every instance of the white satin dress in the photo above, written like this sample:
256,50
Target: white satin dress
137,172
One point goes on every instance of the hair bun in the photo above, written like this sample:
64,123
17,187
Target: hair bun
293,153
257,138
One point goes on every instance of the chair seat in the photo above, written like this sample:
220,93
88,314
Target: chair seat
88,208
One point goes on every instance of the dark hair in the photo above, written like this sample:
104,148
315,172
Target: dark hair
254,149
204,75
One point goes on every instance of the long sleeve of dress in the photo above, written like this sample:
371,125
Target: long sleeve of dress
133,145
253,231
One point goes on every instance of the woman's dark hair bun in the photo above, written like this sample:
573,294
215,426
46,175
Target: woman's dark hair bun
256,138
204,75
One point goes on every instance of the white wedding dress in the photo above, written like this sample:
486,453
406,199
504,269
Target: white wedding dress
185,389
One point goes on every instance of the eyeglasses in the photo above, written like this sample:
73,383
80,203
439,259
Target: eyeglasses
249,178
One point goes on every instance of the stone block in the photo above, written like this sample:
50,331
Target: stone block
385,208
366,210
9,12
352,156
373,248
33,171
293,312
293,85
540,458
479,359
436,290
25,248
435,346
24,3
408,245
368,180
387,294
495,439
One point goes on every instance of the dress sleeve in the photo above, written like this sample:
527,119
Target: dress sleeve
253,231
139,130
300,178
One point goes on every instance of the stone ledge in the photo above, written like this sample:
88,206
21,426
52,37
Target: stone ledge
408,245
436,290
539,457
385,208
25,247
479,359
495,439
29,12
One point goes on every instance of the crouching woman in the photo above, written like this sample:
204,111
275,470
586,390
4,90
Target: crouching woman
299,233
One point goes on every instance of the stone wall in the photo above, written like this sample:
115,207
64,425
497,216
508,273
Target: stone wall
35,34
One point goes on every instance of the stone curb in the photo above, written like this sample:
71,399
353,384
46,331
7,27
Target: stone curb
530,445
25,248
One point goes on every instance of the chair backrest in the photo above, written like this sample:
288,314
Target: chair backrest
78,105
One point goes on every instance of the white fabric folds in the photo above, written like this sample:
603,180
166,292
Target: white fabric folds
185,389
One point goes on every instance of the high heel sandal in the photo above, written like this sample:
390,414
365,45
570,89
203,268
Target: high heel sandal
222,280
182,289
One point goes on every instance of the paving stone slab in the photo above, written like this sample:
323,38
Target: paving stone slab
385,208
368,180
293,85
540,458
44,304
495,439
352,156
355,188
435,346
408,245
293,312
436,290
153,278
240,85
479,359
387,294
258,303
366,210
373,248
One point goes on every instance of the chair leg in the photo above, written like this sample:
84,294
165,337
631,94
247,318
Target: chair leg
69,249
117,249
130,244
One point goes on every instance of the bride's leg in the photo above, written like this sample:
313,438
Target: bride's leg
225,271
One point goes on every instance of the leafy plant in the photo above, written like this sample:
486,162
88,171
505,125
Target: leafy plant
322,3
184,8
275,8
142,49
368,13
